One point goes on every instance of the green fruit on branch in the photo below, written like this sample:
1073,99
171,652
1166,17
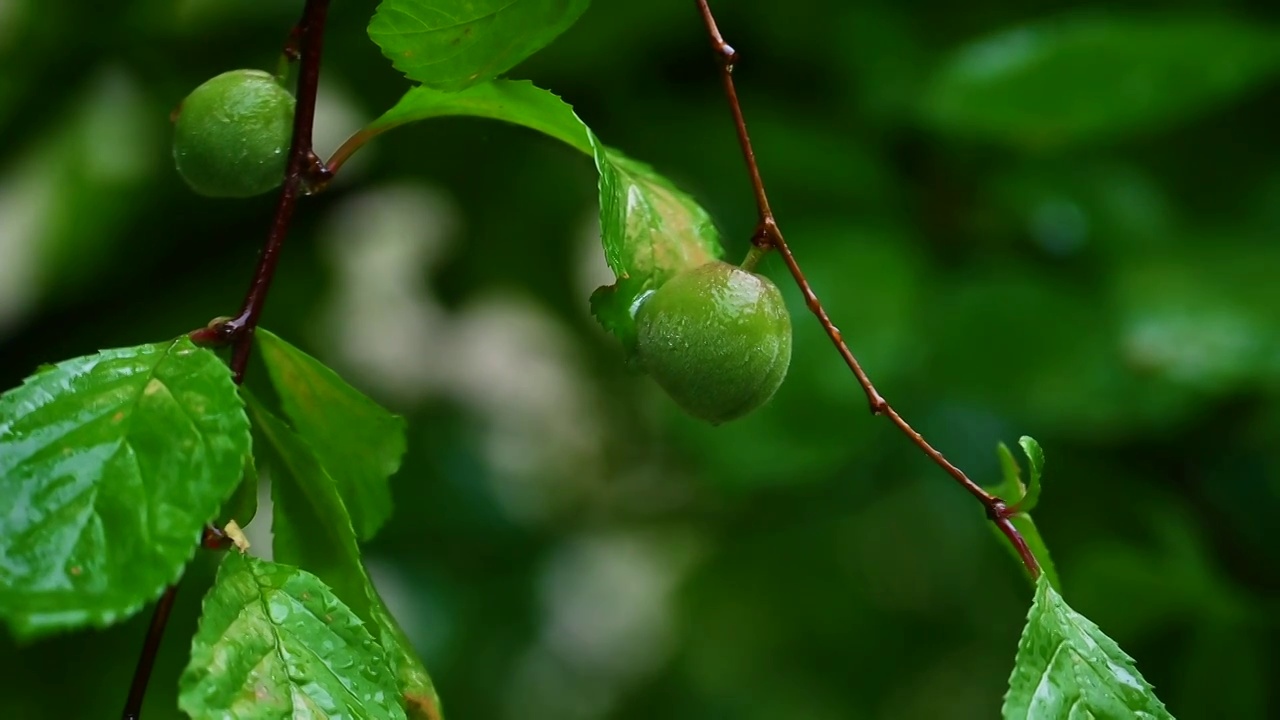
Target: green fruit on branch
717,338
231,137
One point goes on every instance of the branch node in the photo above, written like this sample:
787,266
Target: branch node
304,45
215,539
728,56
293,44
317,176
767,235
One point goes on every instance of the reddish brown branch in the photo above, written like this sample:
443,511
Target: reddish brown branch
303,173
301,168
768,236
150,648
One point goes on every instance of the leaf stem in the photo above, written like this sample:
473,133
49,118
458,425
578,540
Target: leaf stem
349,148
303,173
768,236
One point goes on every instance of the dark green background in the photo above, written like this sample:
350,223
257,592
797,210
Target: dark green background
565,545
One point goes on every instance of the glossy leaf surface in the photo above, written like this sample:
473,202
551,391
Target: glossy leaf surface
1067,668
417,691
310,526
274,642
110,465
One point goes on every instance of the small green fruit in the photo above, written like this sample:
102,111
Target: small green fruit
231,137
717,338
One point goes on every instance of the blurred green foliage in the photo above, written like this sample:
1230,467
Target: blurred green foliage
1027,218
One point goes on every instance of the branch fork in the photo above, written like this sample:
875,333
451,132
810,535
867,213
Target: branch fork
307,174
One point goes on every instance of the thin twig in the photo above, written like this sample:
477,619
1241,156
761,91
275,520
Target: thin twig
303,169
768,236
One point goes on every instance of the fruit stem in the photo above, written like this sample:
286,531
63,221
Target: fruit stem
284,69
305,42
349,148
753,258
767,236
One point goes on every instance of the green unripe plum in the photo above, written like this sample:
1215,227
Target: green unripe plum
717,339
231,137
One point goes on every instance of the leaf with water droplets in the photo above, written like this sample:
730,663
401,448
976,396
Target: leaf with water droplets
110,465
417,691
1067,668
311,528
274,642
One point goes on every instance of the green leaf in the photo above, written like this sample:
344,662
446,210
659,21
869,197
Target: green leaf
515,101
1012,490
1089,77
453,44
310,526
359,443
312,529
1067,668
110,465
242,506
274,642
650,229
417,692
1035,460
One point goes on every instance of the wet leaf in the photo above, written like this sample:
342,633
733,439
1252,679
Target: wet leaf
417,691
1067,668
310,526
110,465
274,642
